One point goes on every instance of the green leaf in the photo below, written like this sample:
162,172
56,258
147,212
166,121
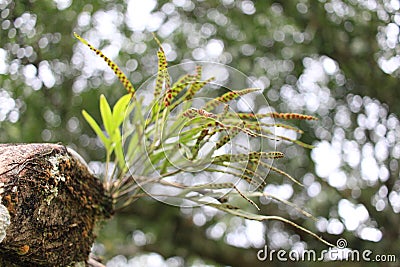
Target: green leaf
96,129
106,116
120,110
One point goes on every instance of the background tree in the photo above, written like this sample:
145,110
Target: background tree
334,59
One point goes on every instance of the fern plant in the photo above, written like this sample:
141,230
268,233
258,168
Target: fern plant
188,152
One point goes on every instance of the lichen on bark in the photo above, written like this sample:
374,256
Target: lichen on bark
54,203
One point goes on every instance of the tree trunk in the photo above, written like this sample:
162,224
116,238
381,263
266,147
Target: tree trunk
53,203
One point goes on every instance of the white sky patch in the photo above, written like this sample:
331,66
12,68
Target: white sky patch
151,259
337,179
369,169
31,78
335,227
220,72
395,4
3,64
392,33
352,154
248,7
327,159
84,19
7,104
139,15
371,234
216,231
29,71
179,3
255,231
312,90
284,191
199,219
389,65
169,26
329,65
214,48
312,102
238,237
63,4
314,189
199,54
106,24
313,72
322,224
353,215
46,75
381,150
394,198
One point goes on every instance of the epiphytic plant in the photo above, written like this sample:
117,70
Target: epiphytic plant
177,147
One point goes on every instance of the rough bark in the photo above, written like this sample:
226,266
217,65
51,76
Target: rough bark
54,203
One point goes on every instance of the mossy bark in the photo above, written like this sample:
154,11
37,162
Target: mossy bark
54,203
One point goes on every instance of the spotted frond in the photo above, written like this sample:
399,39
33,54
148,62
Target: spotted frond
162,72
196,147
249,156
197,86
227,97
182,83
194,112
287,116
121,76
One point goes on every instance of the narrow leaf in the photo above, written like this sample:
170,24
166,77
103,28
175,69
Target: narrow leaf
96,128
120,108
106,116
